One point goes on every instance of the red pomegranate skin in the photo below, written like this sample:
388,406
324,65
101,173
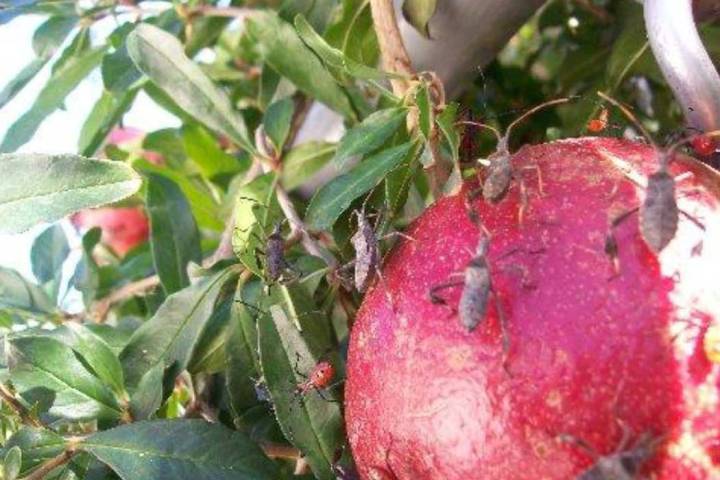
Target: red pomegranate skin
592,353
122,228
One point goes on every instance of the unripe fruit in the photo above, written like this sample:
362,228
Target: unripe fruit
122,228
598,347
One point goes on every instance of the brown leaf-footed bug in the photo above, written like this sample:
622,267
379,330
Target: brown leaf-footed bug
366,244
276,265
499,166
623,464
659,212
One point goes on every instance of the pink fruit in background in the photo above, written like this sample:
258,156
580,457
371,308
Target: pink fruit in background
599,350
122,136
122,228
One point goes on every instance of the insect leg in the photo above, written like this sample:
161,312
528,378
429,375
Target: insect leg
435,298
502,319
611,245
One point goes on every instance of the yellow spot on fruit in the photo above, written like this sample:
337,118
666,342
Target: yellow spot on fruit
712,343
553,399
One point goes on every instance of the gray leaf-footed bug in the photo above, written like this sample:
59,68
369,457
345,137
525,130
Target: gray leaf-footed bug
477,286
659,212
499,167
623,464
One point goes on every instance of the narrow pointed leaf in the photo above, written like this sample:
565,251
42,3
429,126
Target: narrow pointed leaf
303,161
370,134
48,253
37,444
148,395
160,56
60,185
51,97
335,197
170,336
282,48
174,236
17,292
44,363
312,423
180,450
106,113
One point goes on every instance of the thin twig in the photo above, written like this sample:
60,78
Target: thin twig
12,401
394,55
129,290
47,467
275,450
232,12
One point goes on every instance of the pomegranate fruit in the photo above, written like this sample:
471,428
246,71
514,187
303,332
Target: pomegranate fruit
122,228
609,359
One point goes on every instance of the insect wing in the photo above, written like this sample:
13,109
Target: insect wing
659,213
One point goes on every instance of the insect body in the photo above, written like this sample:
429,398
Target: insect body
477,287
318,379
367,252
623,464
659,212
499,168
600,123
276,262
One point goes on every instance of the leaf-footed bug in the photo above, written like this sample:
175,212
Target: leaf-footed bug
499,167
477,286
659,212
276,264
366,244
623,464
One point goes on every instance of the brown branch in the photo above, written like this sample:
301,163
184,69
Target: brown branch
47,467
24,414
275,450
394,55
129,290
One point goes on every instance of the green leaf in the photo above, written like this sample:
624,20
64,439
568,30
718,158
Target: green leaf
48,253
254,209
291,342
335,197
106,113
284,51
333,57
303,161
446,121
61,184
370,134
174,236
98,355
24,76
51,97
241,348
12,463
170,336
204,207
277,120
209,354
51,34
160,56
47,38
86,278
425,110
203,148
17,292
41,363
418,14
37,444
148,395
179,450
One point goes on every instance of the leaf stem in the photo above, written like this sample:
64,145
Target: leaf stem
52,464
12,401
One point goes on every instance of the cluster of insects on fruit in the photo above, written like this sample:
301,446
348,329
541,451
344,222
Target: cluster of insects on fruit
624,463
659,212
